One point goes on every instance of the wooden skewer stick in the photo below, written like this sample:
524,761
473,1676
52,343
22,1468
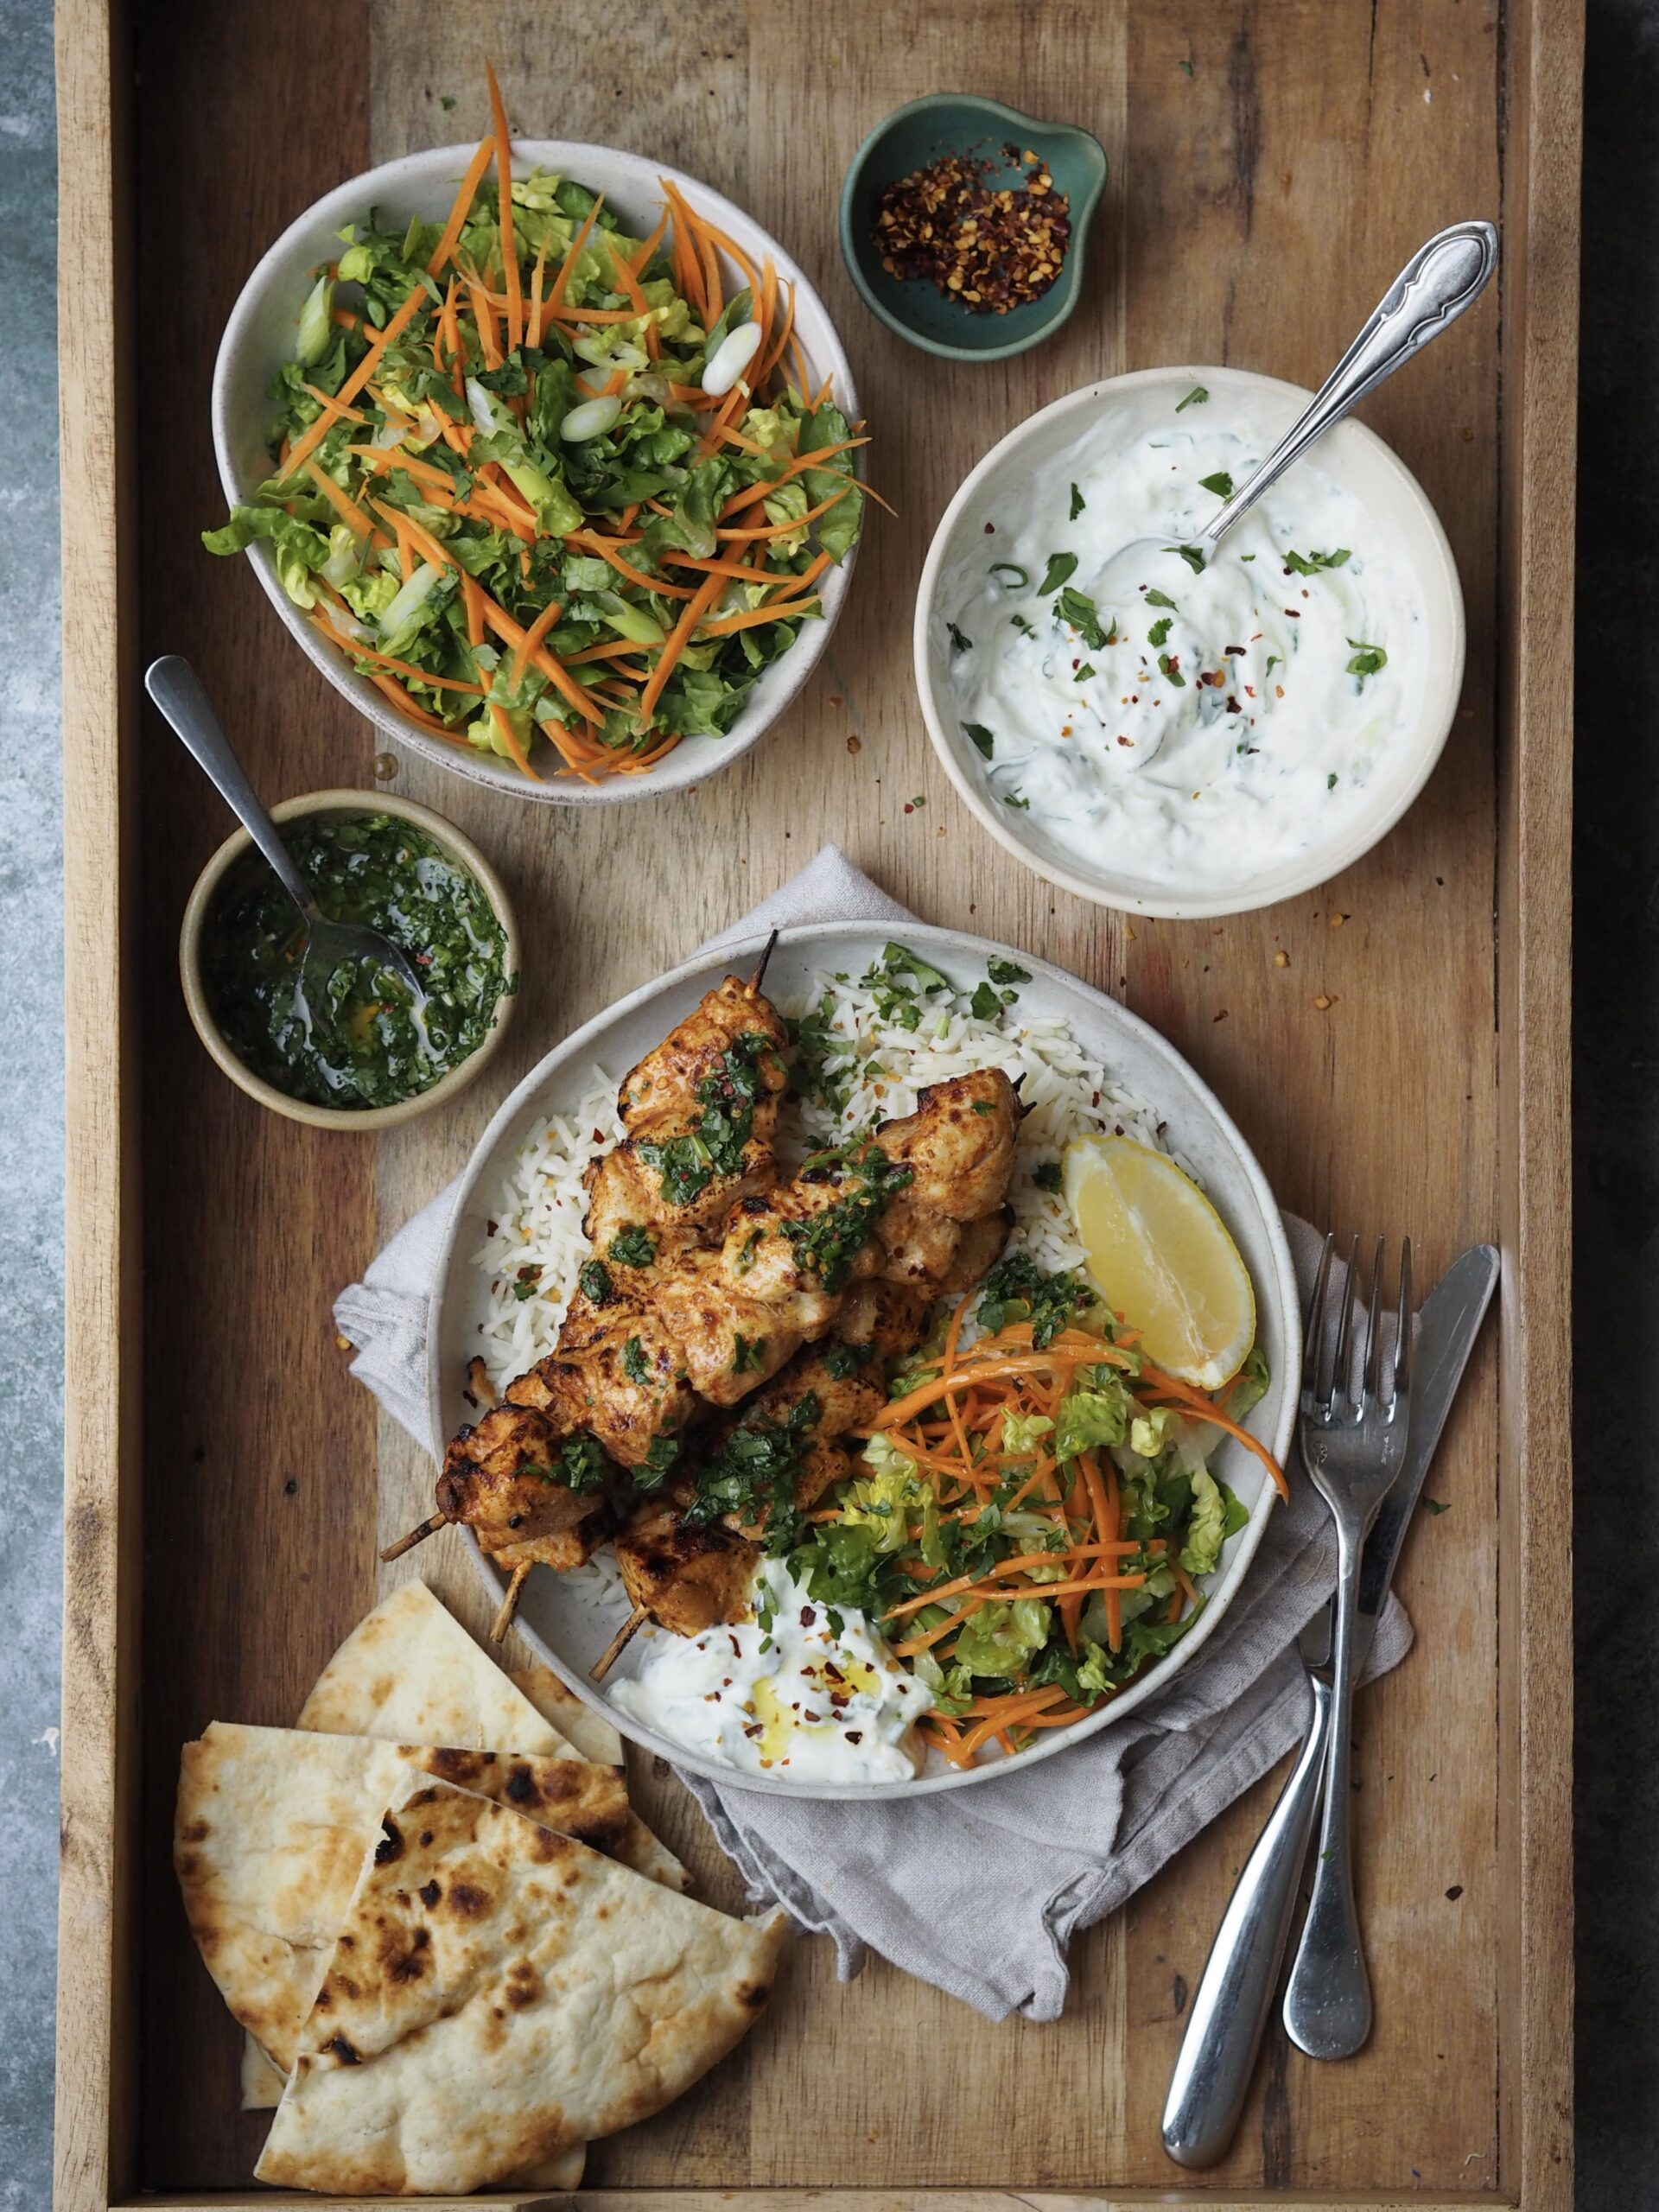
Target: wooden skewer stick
618,1644
760,965
415,1536
510,1603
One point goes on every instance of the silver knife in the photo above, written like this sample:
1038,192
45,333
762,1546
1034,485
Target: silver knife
1231,2006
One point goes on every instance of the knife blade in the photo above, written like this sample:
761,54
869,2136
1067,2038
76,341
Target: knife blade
1448,1326
1231,2006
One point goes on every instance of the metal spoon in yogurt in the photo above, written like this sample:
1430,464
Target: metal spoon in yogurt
1440,281
177,690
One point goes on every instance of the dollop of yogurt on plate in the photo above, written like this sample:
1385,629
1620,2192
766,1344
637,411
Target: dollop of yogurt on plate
804,1691
1185,717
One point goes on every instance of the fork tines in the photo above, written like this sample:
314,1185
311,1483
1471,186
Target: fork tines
1328,1371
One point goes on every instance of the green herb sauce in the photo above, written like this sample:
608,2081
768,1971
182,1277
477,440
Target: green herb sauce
353,1037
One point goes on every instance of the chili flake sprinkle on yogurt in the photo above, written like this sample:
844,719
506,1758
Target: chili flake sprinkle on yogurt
1186,717
804,1691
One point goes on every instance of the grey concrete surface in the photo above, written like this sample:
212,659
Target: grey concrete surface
31,1101
1617,1119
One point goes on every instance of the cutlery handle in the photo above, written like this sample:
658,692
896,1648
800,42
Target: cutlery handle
1230,2010
1440,280
1328,1997
177,690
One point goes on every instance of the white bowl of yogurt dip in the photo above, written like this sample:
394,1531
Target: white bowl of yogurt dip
1176,734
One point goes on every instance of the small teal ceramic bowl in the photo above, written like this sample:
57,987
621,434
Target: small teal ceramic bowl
961,123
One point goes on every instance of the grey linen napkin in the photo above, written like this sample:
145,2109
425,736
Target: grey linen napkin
977,1891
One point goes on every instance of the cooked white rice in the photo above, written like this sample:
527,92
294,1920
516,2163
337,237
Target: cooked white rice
536,1242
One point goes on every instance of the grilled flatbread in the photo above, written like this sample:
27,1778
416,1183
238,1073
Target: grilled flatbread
593,1737
273,1829
499,1993
409,1674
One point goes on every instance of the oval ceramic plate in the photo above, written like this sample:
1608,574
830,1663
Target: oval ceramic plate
260,336
567,1624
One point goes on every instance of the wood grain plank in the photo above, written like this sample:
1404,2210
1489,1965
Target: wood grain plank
1545,71
98,1879
258,1490
1322,1022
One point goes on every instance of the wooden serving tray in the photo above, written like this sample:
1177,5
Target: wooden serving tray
1405,1066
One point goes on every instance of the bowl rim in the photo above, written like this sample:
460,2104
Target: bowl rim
1064,294
349,201
1435,721
193,929
948,944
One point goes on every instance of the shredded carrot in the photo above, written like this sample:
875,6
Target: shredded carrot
509,251
312,437
567,267
345,508
463,205
532,637
327,629
675,643
1199,1407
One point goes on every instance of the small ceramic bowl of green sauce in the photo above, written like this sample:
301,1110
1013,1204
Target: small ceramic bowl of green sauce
350,1049
1003,141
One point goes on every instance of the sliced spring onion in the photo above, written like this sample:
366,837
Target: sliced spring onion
737,349
591,419
316,331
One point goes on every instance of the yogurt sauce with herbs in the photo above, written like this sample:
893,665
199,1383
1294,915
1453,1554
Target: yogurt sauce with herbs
804,1691
1188,719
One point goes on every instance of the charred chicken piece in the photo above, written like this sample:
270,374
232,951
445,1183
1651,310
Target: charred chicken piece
619,1372
500,1478
685,1578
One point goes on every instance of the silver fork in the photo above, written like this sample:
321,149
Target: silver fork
1353,1449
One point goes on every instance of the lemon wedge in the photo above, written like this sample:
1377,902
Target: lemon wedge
1161,1255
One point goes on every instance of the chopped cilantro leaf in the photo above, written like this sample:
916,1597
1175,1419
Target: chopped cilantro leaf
1017,1289
635,1365
1162,599
1196,398
632,1246
1060,565
1047,1177
959,643
1309,564
1367,660
595,1282
985,1004
1193,555
1006,971
1078,503
1082,674
1077,609
981,738
1221,484
581,1465
1159,633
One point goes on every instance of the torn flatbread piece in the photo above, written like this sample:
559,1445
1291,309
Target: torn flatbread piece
274,1827
592,1736
498,1994
409,1674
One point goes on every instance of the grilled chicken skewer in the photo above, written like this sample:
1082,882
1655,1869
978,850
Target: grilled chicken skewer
707,1277
686,1572
634,1365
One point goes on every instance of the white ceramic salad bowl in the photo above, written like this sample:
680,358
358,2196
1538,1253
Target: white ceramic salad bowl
1359,461
567,1619
260,336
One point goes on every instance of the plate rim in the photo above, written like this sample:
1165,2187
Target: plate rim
731,946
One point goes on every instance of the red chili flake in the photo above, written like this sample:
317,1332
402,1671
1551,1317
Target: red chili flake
990,248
